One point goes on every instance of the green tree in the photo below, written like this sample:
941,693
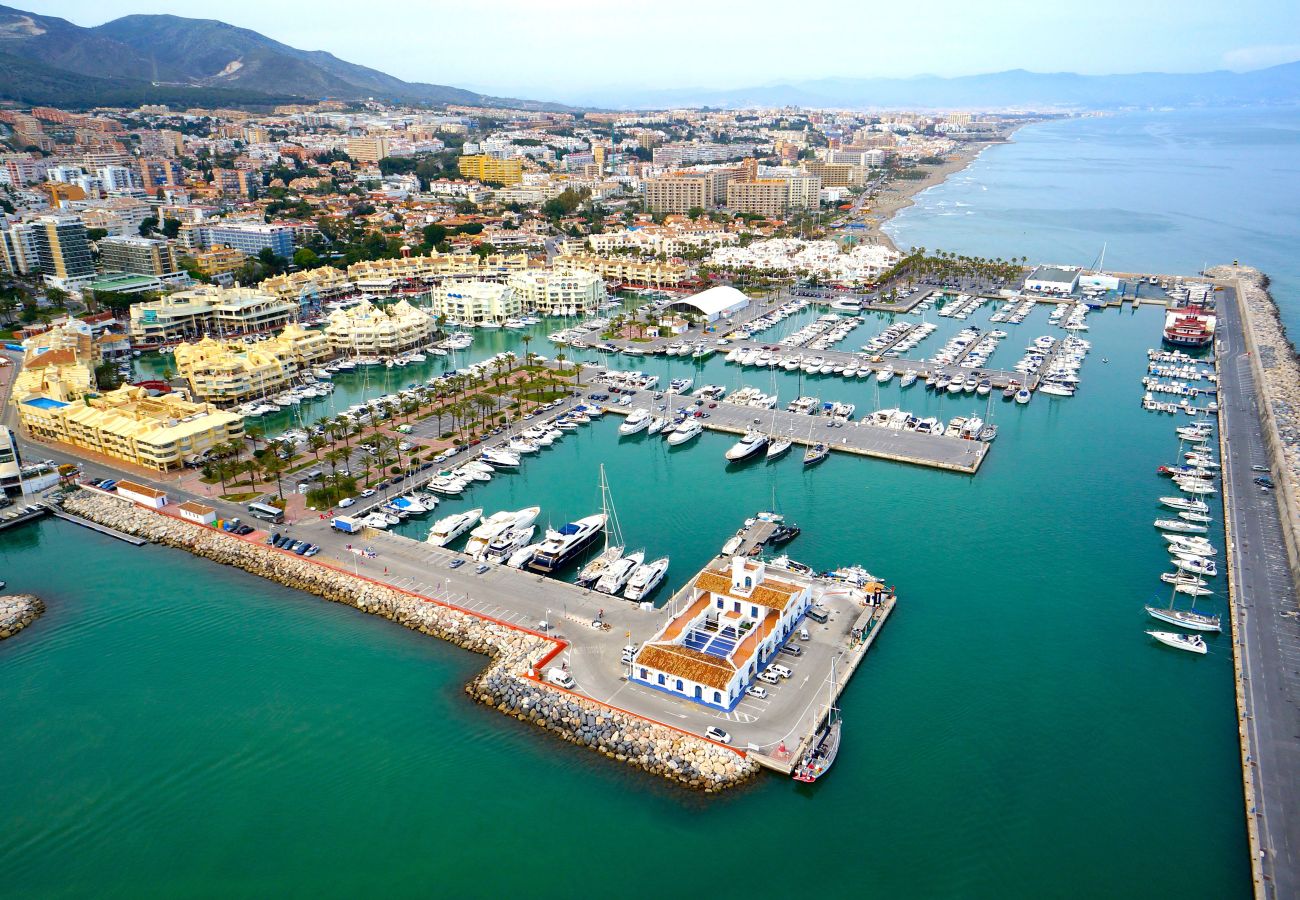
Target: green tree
305,258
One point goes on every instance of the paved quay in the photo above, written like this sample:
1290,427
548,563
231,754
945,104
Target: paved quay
856,437
1266,628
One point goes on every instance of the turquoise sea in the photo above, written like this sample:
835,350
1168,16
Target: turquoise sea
172,727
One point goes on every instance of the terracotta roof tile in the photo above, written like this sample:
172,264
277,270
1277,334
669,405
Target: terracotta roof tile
703,668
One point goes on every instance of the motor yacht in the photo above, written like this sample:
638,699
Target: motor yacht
645,579
593,570
563,544
747,446
447,529
638,421
505,544
618,573
498,523
1193,643
685,432
500,458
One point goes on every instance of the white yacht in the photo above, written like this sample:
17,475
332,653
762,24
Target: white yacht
593,570
617,575
505,544
685,432
1192,643
500,458
656,425
645,579
638,421
747,446
522,556
447,529
778,447
496,524
1183,503
1180,525
564,543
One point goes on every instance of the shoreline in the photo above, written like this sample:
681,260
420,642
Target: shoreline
17,611
902,193
511,681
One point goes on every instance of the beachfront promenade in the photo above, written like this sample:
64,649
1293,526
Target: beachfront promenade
1266,628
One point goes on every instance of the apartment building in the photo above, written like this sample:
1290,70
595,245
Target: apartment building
159,433
677,193
558,292
140,256
250,238
237,182
368,148
208,310
482,167
217,261
63,251
225,373
375,331
620,270
763,196
475,302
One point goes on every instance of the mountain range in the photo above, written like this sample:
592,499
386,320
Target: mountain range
1016,88
203,62
163,58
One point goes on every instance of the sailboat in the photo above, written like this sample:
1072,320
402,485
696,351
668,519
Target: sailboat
613,550
1185,618
816,452
825,745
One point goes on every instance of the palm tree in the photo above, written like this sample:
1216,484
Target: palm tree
334,457
316,444
528,354
485,404
272,467
577,372
254,433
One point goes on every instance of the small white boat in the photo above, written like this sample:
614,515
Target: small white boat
1185,503
522,556
1023,396
685,432
1183,578
1198,565
1193,643
593,570
1180,525
778,448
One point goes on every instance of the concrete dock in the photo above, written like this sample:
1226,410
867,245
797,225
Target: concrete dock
95,526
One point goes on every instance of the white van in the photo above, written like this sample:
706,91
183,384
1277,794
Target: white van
780,670
804,635
556,675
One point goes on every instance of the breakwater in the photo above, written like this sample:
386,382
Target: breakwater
17,611
509,684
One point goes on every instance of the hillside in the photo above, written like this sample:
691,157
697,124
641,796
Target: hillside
127,56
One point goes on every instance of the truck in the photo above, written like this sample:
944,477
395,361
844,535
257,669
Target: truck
346,524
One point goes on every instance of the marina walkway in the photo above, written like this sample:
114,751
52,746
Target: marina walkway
1266,629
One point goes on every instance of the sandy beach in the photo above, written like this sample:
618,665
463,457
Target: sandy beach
901,192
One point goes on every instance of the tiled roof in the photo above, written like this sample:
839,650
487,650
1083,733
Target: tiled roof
702,668
770,593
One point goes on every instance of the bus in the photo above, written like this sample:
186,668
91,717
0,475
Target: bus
263,511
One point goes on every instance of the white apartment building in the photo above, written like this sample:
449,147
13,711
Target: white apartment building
475,302
208,310
558,292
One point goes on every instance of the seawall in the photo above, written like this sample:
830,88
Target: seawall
509,684
17,611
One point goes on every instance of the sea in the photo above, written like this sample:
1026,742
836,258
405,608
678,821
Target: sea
173,727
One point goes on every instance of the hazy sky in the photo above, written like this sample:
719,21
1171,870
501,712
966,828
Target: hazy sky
560,48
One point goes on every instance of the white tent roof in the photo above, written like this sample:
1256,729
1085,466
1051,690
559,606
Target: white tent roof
715,300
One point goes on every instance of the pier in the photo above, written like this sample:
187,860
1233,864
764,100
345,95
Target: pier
95,526
858,438
28,514
1263,602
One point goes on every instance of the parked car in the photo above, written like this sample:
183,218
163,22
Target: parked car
456,563
556,675
481,568
272,538
792,650
1253,469
780,670
769,676
818,614
756,691
368,492
312,550
714,733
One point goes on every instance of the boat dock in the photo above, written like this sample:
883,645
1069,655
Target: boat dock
29,514
859,438
754,536
95,526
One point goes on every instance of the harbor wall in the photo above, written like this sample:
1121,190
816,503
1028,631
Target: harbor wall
17,611
509,684
1277,373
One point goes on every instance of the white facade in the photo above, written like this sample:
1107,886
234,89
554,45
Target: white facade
373,331
475,302
558,292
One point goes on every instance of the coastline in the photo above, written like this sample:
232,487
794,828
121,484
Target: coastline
902,193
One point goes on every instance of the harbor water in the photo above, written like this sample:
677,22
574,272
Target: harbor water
174,727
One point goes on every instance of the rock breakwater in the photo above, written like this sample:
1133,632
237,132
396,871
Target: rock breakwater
508,684
17,611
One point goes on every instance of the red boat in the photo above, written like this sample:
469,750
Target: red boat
1189,327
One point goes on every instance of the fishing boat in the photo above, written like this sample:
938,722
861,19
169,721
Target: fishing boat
645,579
618,573
447,529
747,446
1193,643
825,744
815,454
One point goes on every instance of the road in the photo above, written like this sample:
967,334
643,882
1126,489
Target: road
1268,627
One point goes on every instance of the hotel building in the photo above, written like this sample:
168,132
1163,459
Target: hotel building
475,302
228,373
488,168
558,292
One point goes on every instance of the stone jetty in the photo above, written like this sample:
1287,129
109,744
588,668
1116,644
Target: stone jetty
509,684
17,611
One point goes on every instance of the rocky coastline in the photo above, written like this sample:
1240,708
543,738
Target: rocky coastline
17,611
508,684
